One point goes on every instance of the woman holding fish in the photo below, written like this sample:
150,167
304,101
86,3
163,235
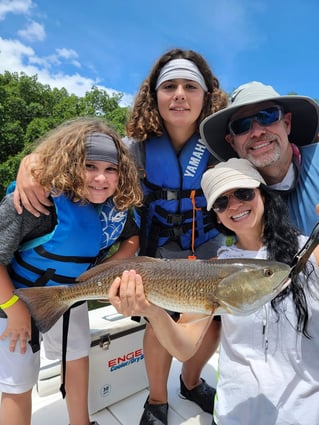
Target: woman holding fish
92,182
268,371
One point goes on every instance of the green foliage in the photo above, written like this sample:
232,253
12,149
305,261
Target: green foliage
11,139
8,170
28,109
94,304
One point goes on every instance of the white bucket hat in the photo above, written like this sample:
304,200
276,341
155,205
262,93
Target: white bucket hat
304,125
233,174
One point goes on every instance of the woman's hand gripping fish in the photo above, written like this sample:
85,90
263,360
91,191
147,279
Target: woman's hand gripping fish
236,286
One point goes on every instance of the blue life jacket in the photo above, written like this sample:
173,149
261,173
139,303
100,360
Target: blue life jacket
71,248
168,183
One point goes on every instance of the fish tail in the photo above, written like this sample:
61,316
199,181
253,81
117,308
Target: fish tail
42,305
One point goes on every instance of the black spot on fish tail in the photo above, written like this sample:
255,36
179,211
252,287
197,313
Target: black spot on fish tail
43,306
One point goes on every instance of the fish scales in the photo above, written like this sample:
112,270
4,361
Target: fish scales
171,284
235,286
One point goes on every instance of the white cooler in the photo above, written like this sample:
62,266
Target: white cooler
117,367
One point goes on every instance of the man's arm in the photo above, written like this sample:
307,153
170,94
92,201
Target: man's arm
28,191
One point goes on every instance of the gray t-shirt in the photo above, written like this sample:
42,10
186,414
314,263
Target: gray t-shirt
16,229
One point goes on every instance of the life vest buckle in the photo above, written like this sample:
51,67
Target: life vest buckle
176,232
175,219
172,195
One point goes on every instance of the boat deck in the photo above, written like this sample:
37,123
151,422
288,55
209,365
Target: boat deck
126,337
51,409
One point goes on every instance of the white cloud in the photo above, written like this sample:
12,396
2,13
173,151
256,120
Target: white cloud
13,55
14,6
33,32
55,59
73,83
17,57
67,53
70,55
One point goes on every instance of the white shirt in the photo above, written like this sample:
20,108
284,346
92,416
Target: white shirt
268,373
288,181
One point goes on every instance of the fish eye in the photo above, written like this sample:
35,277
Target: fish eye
268,272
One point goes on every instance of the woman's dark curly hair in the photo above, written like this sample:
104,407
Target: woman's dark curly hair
281,240
145,120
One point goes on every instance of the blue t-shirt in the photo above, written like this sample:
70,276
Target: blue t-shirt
302,200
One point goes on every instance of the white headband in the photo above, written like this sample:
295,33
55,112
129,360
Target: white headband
181,68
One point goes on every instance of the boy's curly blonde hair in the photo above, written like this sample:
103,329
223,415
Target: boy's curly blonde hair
145,119
60,164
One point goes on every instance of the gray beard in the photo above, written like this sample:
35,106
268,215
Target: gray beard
265,160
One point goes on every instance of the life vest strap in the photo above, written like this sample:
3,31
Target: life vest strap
43,275
63,258
178,219
173,218
43,278
176,232
165,194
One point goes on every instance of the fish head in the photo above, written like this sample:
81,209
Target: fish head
247,289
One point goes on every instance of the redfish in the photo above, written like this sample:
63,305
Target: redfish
234,286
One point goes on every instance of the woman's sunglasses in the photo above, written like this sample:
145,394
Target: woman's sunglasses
221,203
265,117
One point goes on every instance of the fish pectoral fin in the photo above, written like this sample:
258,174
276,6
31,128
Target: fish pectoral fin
225,308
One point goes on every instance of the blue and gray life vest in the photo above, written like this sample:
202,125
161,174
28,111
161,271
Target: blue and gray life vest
174,204
80,234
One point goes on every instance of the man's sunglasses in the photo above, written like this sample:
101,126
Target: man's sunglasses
265,117
221,203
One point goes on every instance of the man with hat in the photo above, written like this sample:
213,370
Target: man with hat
277,134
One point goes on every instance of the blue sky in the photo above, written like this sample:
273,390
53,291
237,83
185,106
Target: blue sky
114,43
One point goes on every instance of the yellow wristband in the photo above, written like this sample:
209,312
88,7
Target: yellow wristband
10,302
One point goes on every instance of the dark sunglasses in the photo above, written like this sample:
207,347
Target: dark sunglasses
265,117
221,203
